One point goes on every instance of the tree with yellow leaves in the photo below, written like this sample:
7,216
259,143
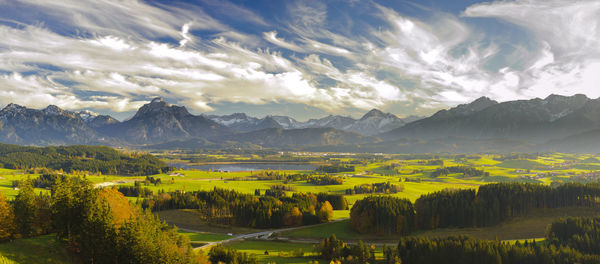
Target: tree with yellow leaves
119,205
7,219
326,212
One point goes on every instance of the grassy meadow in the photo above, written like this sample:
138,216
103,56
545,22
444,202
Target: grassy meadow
415,175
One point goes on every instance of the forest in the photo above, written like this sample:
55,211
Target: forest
490,205
266,211
465,250
95,225
383,187
570,240
335,168
325,180
576,232
465,170
93,159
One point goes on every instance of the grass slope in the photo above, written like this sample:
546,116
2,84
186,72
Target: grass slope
526,227
41,249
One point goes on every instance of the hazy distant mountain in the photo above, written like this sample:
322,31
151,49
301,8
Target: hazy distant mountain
159,121
49,126
537,120
441,145
277,138
242,123
95,120
372,123
375,122
332,121
286,122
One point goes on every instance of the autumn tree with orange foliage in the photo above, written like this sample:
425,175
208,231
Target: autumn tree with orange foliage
326,212
7,219
293,218
119,205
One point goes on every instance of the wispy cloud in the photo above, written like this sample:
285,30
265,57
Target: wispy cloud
567,35
115,51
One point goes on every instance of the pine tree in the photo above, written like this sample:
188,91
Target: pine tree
98,242
25,209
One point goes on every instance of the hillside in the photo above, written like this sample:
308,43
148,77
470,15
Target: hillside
82,158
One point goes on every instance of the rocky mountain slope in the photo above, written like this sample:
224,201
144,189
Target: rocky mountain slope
158,121
536,120
556,123
49,126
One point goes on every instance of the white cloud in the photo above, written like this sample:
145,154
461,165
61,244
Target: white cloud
121,53
568,36
272,37
185,30
124,18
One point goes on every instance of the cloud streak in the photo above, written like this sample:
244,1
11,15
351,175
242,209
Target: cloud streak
113,55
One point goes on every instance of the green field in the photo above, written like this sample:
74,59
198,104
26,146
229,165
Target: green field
191,220
413,174
279,252
42,249
204,237
519,228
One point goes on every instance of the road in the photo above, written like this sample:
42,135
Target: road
265,234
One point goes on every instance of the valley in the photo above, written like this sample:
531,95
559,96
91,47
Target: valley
361,176
299,131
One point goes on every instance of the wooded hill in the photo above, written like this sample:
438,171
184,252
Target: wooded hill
94,159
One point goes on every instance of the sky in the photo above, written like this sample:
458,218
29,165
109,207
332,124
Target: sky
303,59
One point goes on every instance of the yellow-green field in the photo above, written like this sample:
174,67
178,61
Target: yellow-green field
42,249
413,174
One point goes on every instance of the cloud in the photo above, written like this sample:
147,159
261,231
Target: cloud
38,92
567,34
271,36
115,51
185,34
122,18
229,67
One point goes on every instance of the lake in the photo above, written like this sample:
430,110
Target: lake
247,166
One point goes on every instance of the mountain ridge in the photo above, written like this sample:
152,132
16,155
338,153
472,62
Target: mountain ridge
557,122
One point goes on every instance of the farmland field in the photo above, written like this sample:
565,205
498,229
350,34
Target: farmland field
413,175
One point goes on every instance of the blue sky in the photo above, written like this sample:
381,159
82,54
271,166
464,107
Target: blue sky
298,58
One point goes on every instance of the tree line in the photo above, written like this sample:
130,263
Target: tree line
465,170
383,215
94,159
336,251
325,180
335,168
490,205
579,233
267,211
382,187
570,240
465,250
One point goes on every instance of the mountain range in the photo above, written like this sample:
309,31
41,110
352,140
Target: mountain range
372,123
555,123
